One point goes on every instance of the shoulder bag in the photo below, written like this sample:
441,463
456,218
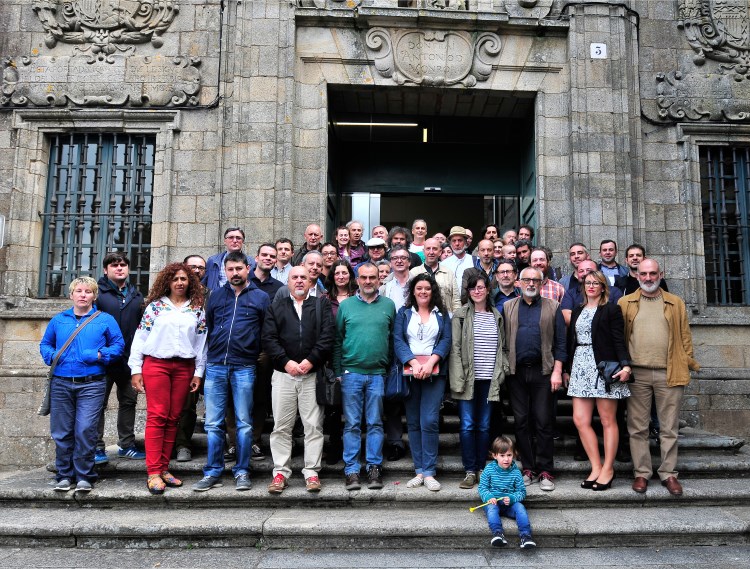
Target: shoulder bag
44,407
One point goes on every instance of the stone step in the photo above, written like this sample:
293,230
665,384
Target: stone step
443,525
694,464
689,439
128,489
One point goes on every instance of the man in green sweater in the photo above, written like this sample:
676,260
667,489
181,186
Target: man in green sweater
361,356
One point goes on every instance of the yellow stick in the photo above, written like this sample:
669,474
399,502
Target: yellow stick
477,507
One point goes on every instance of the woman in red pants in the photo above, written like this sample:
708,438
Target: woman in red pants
166,361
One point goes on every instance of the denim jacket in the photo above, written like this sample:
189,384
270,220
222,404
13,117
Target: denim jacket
401,347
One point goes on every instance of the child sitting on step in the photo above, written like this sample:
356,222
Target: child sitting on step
501,484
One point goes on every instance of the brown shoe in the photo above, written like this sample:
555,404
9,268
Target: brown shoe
673,485
640,485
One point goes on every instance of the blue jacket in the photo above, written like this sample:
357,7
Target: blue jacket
213,269
234,325
126,310
101,336
442,345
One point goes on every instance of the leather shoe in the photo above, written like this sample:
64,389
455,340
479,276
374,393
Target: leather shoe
640,484
673,486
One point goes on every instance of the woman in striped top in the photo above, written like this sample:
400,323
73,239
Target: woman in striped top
477,369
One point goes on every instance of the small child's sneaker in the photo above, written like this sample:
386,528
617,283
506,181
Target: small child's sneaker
498,540
527,543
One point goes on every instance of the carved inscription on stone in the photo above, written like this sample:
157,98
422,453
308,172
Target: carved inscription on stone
427,57
90,81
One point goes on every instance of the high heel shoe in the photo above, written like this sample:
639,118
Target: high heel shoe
588,484
598,486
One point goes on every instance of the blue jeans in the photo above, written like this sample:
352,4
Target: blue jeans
362,392
219,380
515,511
475,428
422,420
73,420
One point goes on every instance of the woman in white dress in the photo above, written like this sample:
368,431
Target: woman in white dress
596,334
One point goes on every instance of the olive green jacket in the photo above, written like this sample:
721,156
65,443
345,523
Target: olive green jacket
461,368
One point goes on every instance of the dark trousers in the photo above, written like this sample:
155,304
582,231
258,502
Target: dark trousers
531,399
126,399
188,418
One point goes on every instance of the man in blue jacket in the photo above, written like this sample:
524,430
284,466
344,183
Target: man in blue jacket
234,316
124,302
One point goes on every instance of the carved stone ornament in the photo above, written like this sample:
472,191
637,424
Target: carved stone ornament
425,57
88,81
718,30
105,26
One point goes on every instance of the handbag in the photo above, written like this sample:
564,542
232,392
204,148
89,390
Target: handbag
408,371
396,386
327,387
45,405
607,369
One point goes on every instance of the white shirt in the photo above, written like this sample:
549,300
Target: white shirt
422,337
397,293
281,274
458,266
169,331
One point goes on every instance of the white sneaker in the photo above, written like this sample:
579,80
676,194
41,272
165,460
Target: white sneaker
415,482
546,482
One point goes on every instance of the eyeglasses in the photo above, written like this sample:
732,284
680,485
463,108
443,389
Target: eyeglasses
400,259
330,254
506,272
593,283
420,331
531,281
197,268
480,288
234,238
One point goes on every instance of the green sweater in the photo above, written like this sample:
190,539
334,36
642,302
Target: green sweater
364,333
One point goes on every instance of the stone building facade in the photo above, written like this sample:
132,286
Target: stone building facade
150,125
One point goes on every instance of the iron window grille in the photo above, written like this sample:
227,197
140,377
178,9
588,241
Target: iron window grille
99,199
725,197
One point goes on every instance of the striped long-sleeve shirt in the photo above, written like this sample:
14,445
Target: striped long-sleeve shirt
496,482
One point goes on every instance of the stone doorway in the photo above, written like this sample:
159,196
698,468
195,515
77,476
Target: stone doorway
452,157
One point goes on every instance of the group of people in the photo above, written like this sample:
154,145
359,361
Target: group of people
462,323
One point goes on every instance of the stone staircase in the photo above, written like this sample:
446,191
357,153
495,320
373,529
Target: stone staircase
119,513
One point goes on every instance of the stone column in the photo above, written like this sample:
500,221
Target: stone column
606,185
256,162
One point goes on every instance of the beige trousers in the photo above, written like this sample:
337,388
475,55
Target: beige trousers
288,395
650,382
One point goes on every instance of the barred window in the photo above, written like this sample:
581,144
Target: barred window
725,197
99,198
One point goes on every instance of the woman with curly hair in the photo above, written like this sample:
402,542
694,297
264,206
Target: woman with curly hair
166,361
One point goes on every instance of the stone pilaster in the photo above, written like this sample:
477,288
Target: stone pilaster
605,125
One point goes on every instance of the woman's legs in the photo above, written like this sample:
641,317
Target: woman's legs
608,417
583,411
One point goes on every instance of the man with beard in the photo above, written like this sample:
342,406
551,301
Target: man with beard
535,341
661,349
523,254
234,318
505,276
460,260
361,356
443,277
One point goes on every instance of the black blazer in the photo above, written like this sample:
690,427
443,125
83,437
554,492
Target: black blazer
607,335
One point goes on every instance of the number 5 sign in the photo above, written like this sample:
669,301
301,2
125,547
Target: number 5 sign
598,51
